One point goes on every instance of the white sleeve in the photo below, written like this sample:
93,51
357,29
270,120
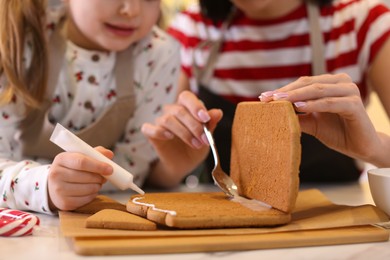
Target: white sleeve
23,183
23,186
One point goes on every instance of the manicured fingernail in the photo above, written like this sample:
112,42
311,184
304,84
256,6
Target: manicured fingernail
196,143
265,95
108,170
203,115
300,104
279,95
168,134
204,139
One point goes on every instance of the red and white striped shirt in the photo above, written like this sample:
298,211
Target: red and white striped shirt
262,55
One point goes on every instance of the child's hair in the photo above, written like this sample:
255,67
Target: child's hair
21,20
219,10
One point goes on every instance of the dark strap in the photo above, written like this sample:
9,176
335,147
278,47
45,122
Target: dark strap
320,163
316,40
204,74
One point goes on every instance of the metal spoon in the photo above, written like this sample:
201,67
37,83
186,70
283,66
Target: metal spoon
221,179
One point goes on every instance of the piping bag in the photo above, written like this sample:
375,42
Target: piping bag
69,142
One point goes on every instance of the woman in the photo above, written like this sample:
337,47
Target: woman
268,44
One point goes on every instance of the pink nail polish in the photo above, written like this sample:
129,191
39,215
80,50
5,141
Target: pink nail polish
262,98
300,104
197,144
204,116
266,95
168,135
204,139
279,95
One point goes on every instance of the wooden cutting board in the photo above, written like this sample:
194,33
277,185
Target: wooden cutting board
215,243
315,221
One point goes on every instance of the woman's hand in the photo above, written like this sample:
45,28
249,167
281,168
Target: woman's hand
75,179
331,109
178,135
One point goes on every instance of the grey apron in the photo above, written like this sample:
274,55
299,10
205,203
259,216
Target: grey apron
35,130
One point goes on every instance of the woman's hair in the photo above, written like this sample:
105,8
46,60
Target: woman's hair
22,20
219,10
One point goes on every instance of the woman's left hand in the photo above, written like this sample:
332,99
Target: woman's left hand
331,109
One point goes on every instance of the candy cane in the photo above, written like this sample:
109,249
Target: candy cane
15,223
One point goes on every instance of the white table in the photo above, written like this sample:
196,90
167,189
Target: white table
51,244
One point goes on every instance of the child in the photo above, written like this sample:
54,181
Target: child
268,44
101,69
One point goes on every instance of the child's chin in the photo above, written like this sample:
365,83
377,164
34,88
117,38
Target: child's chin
116,47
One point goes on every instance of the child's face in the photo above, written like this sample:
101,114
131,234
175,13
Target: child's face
110,25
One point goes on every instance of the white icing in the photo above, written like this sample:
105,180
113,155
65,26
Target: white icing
152,206
252,204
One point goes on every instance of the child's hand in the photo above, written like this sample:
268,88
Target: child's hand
76,179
